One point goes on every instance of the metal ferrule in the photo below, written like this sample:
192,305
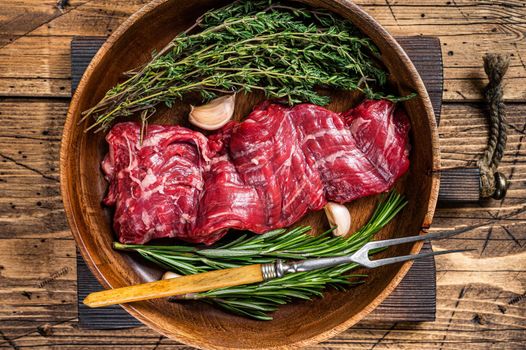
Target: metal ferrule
279,269
275,270
268,271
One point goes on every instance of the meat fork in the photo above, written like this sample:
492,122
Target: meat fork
260,272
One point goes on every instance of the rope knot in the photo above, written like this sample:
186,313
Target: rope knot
495,66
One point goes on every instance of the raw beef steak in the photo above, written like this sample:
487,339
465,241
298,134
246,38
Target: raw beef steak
260,174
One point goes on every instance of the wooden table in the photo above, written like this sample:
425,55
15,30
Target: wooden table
481,295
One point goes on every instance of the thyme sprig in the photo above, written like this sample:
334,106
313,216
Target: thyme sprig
257,300
282,51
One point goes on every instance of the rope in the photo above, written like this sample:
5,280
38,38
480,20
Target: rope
62,4
495,66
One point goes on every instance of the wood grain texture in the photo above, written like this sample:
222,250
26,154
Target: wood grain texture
164,288
477,308
466,28
459,185
111,317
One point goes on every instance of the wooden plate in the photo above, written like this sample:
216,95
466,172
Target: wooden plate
197,324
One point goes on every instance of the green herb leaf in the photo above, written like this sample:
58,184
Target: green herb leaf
247,46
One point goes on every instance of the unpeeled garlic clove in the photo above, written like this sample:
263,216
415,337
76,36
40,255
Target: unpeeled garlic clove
214,114
169,274
339,217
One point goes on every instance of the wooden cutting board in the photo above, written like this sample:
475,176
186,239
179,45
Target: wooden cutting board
414,299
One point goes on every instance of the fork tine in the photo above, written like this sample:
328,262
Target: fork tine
430,236
386,261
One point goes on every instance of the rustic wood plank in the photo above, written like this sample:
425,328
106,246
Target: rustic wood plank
467,29
19,17
459,185
483,310
49,58
474,317
490,313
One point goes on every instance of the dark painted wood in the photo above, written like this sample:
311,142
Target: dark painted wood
413,300
111,317
426,55
459,185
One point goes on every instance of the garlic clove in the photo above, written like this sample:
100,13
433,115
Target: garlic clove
339,217
169,275
214,114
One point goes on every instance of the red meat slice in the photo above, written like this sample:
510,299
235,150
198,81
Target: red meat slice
226,201
266,152
382,140
263,173
155,186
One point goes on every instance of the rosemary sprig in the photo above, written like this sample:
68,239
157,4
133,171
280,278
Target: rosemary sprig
251,45
258,300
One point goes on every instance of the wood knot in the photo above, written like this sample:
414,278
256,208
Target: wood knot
478,320
45,330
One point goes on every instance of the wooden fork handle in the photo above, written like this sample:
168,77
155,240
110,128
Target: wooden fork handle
177,286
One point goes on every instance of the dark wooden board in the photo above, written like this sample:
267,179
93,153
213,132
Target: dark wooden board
459,185
426,56
414,300
112,317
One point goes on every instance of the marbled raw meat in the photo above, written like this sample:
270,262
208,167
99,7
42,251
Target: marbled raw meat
155,186
263,173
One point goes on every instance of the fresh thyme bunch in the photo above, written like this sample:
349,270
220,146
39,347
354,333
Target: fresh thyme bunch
282,51
257,300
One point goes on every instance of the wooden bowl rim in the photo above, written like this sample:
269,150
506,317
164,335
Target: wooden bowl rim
187,339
